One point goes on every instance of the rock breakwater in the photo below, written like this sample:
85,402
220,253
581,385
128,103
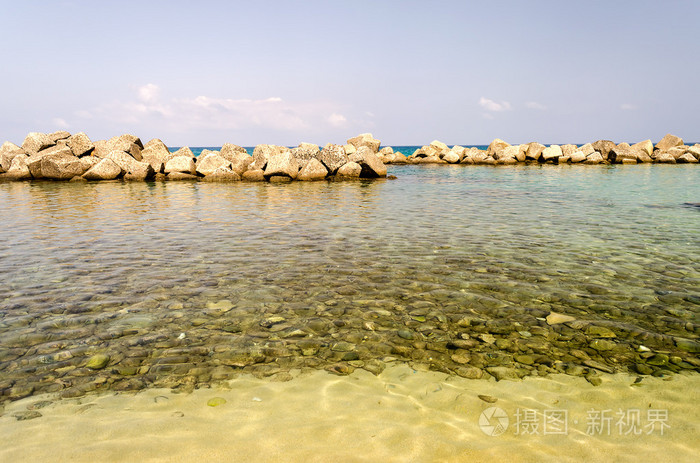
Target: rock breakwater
669,150
62,156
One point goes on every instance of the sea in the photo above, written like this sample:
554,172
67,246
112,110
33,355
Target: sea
528,312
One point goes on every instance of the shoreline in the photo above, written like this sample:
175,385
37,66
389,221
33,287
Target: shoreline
398,415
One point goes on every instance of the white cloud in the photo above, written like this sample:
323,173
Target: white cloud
210,113
337,120
628,107
495,106
148,93
535,105
60,123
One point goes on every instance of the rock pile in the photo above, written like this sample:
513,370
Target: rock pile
670,150
62,156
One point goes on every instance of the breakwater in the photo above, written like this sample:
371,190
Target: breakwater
74,157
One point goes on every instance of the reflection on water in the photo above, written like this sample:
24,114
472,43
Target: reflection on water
453,268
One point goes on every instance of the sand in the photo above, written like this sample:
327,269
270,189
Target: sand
400,415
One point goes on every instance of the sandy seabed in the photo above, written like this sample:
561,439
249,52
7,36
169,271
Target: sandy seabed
400,415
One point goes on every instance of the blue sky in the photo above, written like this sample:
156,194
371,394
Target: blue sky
248,72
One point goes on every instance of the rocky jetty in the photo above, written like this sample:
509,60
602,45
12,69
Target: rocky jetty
669,150
62,156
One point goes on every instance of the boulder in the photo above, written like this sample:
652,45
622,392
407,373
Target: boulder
695,151
623,153
62,166
647,146
439,146
254,175
349,149
184,164
668,142
365,139
209,162
451,157
122,159
105,169
34,161
222,174
35,142
385,151
80,144
241,164
8,151
140,171
587,149
282,164
521,155
594,158
372,166
312,170
349,170
534,151
577,156
509,152
665,158
233,152
333,157
604,147
677,151
155,153
568,149
55,137
552,153
496,146
304,152
18,169
130,144
686,158
262,153
180,176
184,151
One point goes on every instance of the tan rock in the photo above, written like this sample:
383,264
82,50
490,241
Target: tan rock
62,166
304,152
669,141
232,152
183,164
372,167
577,156
282,164
686,158
35,142
665,158
80,144
568,149
555,318
587,149
349,170
604,147
180,176
439,146
155,153
333,157
105,169
55,137
139,170
552,153
496,146
349,149
451,157
262,153
647,146
130,144
385,151
18,168
222,174
207,163
677,151
255,175
365,139
595,158
313,170
534,151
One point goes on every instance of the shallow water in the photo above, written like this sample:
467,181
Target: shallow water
452,268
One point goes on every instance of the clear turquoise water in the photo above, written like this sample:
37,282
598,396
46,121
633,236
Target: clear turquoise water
187,283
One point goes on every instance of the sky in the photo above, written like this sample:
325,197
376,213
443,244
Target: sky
204,73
